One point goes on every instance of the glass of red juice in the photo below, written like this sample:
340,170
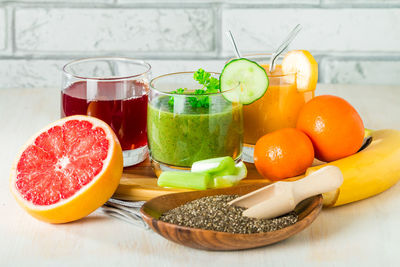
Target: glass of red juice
114,90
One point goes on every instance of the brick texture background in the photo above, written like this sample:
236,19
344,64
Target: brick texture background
354,41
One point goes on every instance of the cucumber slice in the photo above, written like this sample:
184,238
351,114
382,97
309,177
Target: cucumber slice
243,81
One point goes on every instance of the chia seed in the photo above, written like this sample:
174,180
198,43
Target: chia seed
214,213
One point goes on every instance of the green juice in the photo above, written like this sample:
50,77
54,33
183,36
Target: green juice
183,134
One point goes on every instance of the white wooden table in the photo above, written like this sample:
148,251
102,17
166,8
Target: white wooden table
366,233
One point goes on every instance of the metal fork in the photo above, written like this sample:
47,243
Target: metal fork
127,211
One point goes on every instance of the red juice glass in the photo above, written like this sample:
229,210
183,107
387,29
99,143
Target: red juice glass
114,90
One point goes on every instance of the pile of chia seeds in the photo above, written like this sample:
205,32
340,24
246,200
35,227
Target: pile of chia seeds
214,213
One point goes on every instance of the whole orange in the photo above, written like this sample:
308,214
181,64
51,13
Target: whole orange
333,125
284,153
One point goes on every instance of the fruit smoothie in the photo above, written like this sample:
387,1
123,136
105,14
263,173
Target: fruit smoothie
277,109
181,136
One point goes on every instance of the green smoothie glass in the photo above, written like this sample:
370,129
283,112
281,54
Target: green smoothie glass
180,132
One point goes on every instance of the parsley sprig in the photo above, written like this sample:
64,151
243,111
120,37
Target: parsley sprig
210,85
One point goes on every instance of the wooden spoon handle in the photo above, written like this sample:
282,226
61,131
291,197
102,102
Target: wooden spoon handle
324,180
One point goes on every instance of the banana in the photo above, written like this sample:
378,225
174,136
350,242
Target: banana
368,172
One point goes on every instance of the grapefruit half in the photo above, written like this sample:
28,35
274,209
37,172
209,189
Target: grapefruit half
67,170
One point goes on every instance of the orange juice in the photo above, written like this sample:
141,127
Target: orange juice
277,109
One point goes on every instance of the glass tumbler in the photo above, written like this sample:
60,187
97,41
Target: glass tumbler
277,109
184,128
114,90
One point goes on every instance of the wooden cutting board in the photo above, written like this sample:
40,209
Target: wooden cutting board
140,182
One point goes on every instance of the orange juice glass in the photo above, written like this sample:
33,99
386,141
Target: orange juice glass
280,105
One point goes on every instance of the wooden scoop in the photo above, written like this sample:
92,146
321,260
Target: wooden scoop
282,197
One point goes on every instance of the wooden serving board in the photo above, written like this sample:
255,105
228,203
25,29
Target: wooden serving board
140,182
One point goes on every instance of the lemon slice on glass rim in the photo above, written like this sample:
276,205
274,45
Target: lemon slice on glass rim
305,66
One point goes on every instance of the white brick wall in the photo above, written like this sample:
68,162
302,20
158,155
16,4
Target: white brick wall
46,73
361,2
3,29
21,73
160,67
360,72
354,41
63,1
324,30
100,29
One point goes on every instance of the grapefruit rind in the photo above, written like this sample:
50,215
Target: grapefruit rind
88,198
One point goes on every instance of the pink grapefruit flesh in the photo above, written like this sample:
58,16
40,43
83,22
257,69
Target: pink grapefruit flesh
75,158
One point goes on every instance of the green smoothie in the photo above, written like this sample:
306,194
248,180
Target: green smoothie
183,134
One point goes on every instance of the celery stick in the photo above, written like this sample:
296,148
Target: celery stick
216,166
220,182
207,164
191,180
229,180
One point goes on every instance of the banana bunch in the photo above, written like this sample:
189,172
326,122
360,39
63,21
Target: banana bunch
368,172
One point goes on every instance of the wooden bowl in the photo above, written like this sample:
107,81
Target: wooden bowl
151,211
